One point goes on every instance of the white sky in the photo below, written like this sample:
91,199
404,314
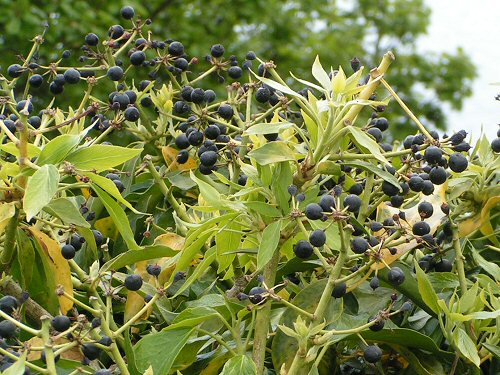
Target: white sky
474,26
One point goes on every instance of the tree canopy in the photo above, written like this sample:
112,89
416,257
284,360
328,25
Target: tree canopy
289,33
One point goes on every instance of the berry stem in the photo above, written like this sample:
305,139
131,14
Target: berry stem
22,326
9,243
299,360
126,44
407,110
459,259
8,354
49,354
137,316
263,317
218,339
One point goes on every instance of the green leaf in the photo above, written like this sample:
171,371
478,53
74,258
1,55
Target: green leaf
191,317
11,148
320,75
133,256
227,239
119,218
213,197
268,128
367,144
376,170
272,152
263,208
57,149
329,168
160,349
109,186
426,290
406,337
101,157
493,349
466,346
41,188
25,256
129,352
268,244
490,267
18,367
199,270
67,212
241,365
278,86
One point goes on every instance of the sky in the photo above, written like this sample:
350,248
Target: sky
473,26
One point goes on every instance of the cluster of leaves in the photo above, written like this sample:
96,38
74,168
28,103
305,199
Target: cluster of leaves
336,31
162,228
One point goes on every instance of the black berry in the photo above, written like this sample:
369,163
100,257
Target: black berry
133,282
396,276
372,354
421,228
359,245
217,50
317,238
352,202
314,211
91,351
339,290
127,12
457,163
61,323
425,209
68,251
115,73
303,249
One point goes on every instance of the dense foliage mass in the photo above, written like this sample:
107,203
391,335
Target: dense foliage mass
163,228
335,30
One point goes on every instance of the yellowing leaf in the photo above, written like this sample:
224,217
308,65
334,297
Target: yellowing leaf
107,227
60,267
480,221
412,216
172,240
7,210
170,155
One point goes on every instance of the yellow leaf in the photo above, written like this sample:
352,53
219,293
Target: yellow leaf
60,267
480,221
7,210
73,354
107,227
412,216
170,155
172,240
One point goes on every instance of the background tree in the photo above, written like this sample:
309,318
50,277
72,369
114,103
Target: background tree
289,33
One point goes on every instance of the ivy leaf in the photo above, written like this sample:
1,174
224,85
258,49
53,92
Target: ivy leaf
466,346
273,152
321,75
160,349
367,144
109,186
268,244
241,365
133,256
119,218
426,290
57,265
376,170
67,212
268,127
57,149
41,188
101,157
